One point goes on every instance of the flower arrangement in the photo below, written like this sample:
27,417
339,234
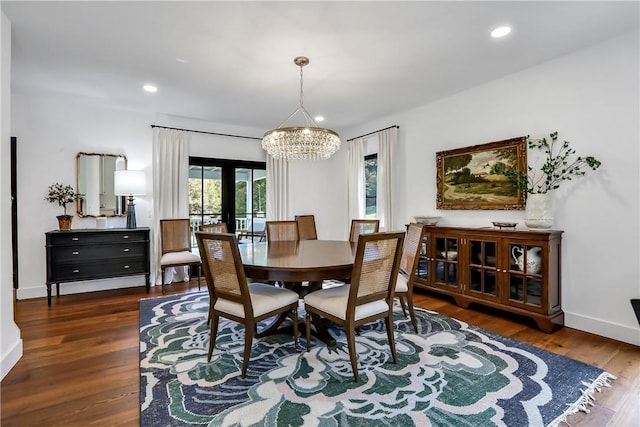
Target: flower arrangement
557,167
62,195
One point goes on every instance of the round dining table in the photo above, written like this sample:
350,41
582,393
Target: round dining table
297,261
294,261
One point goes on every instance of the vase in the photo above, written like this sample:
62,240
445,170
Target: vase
64,222
539,211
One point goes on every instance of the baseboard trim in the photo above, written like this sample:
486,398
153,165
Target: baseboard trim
611,330
10,359
68,288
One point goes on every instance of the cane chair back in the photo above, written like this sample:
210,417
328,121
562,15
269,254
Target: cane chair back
232,297
306,227
175,237
282,231
363,226
408,267
368,297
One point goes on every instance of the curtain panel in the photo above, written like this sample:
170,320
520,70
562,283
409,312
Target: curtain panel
387,147
170,191
355,185
277,189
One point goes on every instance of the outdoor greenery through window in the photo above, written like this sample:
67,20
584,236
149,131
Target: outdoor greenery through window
229,191
371,185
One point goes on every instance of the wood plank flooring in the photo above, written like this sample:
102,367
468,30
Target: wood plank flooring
80,363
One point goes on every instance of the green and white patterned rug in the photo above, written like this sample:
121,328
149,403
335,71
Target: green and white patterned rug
448,374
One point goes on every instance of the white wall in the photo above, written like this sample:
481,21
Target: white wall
10,341
591,98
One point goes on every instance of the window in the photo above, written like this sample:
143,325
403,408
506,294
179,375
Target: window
229,191
371,185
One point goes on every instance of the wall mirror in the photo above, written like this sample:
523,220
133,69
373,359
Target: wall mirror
95,184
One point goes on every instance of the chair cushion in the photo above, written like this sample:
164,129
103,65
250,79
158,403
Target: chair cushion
401,284
264,298
184,257
334,301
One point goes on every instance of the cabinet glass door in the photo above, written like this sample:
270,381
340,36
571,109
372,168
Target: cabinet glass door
446,261
525,274
423,265
483,272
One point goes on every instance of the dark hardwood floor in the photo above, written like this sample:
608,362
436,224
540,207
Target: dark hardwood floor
80,363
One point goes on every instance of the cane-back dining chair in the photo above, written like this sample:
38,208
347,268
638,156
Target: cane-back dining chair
369,296
175,236
408,266
220,227
282,231
306,227
230,295
363,226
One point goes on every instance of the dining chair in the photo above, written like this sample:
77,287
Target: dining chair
282,231
368,297
363,226
175,236
232,297
408,266
306,227
220,227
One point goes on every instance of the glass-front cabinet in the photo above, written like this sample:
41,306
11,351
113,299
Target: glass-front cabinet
513,270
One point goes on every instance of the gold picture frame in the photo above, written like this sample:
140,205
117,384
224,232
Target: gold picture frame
470,178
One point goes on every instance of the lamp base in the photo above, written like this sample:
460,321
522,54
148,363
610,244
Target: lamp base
131,214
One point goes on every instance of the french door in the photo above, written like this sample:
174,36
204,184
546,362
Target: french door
229,191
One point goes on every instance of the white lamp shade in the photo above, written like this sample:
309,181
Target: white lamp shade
129,183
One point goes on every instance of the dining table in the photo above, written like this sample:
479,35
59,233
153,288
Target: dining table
296,261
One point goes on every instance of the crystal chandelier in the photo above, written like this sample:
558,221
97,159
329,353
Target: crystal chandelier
310,143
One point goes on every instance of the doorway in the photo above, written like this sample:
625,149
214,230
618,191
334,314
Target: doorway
229,191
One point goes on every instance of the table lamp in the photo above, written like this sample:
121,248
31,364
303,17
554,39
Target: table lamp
129,183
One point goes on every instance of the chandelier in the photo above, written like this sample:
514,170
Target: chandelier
309,143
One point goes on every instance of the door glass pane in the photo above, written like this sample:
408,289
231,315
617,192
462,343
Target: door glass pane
212,195
251,202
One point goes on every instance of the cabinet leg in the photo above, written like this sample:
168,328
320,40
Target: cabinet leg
58,289
147,278
49,294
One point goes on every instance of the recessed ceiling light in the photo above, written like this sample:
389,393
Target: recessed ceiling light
500,32
319,118
182,60
150,88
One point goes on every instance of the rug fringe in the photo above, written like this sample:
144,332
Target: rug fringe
586,399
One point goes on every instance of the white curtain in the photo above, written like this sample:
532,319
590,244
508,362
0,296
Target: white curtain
277,189
355,186
170,190
387,146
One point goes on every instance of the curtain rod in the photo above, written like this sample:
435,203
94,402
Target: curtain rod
209,133
371,133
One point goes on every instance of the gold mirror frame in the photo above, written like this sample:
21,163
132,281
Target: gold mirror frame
95,184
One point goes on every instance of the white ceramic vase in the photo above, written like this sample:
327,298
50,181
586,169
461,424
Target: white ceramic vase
539,211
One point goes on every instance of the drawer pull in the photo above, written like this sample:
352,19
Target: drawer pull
75,253
126,267
76,271
125,250
75,239
125,236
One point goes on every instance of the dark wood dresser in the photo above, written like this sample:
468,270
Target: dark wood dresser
89,254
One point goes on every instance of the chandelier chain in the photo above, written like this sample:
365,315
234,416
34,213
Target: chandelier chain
301,91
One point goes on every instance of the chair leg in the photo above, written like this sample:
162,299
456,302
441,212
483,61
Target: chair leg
162,280
199,273
392,343
404,312
249,330
351,344
308,327
412,314
294,312
212,335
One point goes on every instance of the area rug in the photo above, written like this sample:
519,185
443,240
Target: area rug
448,374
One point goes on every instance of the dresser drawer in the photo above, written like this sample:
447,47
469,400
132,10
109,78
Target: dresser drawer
87,238
69,272
98,252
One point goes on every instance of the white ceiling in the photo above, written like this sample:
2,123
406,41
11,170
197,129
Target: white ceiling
368,59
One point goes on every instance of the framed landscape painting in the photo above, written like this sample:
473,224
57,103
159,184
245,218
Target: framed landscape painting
471,178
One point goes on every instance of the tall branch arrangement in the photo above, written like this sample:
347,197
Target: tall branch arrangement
560,165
